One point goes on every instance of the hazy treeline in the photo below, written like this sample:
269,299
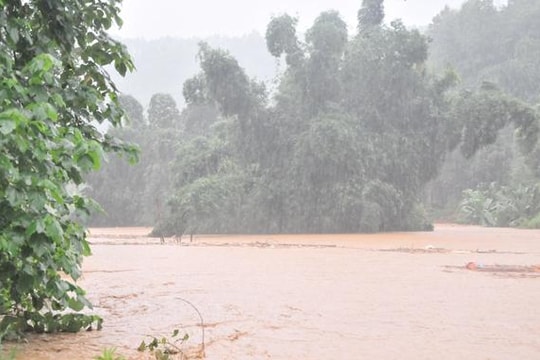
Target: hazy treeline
358,127
502,46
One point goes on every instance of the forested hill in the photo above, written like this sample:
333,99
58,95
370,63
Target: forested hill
164,64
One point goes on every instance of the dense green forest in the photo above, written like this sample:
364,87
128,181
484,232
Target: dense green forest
376,130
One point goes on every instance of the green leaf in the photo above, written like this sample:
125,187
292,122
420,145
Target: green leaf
14,196
13,115
76,304
86,251
53,229
142,346
43,111
26,281
13,33
72,324
120,67
95,153
53,189
86,303
7,126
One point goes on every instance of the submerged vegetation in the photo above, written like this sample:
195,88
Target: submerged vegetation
495,205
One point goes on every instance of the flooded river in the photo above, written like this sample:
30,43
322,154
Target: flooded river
381,296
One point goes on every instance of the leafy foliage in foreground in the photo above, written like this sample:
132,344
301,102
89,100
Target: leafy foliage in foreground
54,91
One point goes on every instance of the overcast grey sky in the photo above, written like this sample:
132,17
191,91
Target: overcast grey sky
201,18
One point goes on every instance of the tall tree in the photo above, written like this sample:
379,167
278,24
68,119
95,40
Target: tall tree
133,109
371,14
326,41
163,112
136,195
54,90
319,159
281,38
119,187
356,129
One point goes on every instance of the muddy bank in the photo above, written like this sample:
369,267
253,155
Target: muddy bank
314,296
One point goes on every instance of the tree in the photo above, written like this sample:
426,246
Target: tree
281,39
492,48
163,112
326,41
344,147
198,119
486,112
356,129
468,39
206,182
370,15
134,111
54,91
484,43
119,187
136,195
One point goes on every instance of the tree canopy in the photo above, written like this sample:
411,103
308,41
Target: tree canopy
484,43
355,131
493,48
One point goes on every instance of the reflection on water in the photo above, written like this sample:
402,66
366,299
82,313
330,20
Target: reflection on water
312,296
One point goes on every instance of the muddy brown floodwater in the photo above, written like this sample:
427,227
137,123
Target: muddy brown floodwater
381,296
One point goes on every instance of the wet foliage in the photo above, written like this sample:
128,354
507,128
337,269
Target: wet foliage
494,49
495,205
165,348
355,130
54,91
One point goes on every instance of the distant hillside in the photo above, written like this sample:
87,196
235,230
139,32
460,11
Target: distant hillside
164,64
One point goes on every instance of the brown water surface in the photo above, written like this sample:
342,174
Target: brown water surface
380,296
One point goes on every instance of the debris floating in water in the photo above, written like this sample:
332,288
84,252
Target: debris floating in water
503,268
